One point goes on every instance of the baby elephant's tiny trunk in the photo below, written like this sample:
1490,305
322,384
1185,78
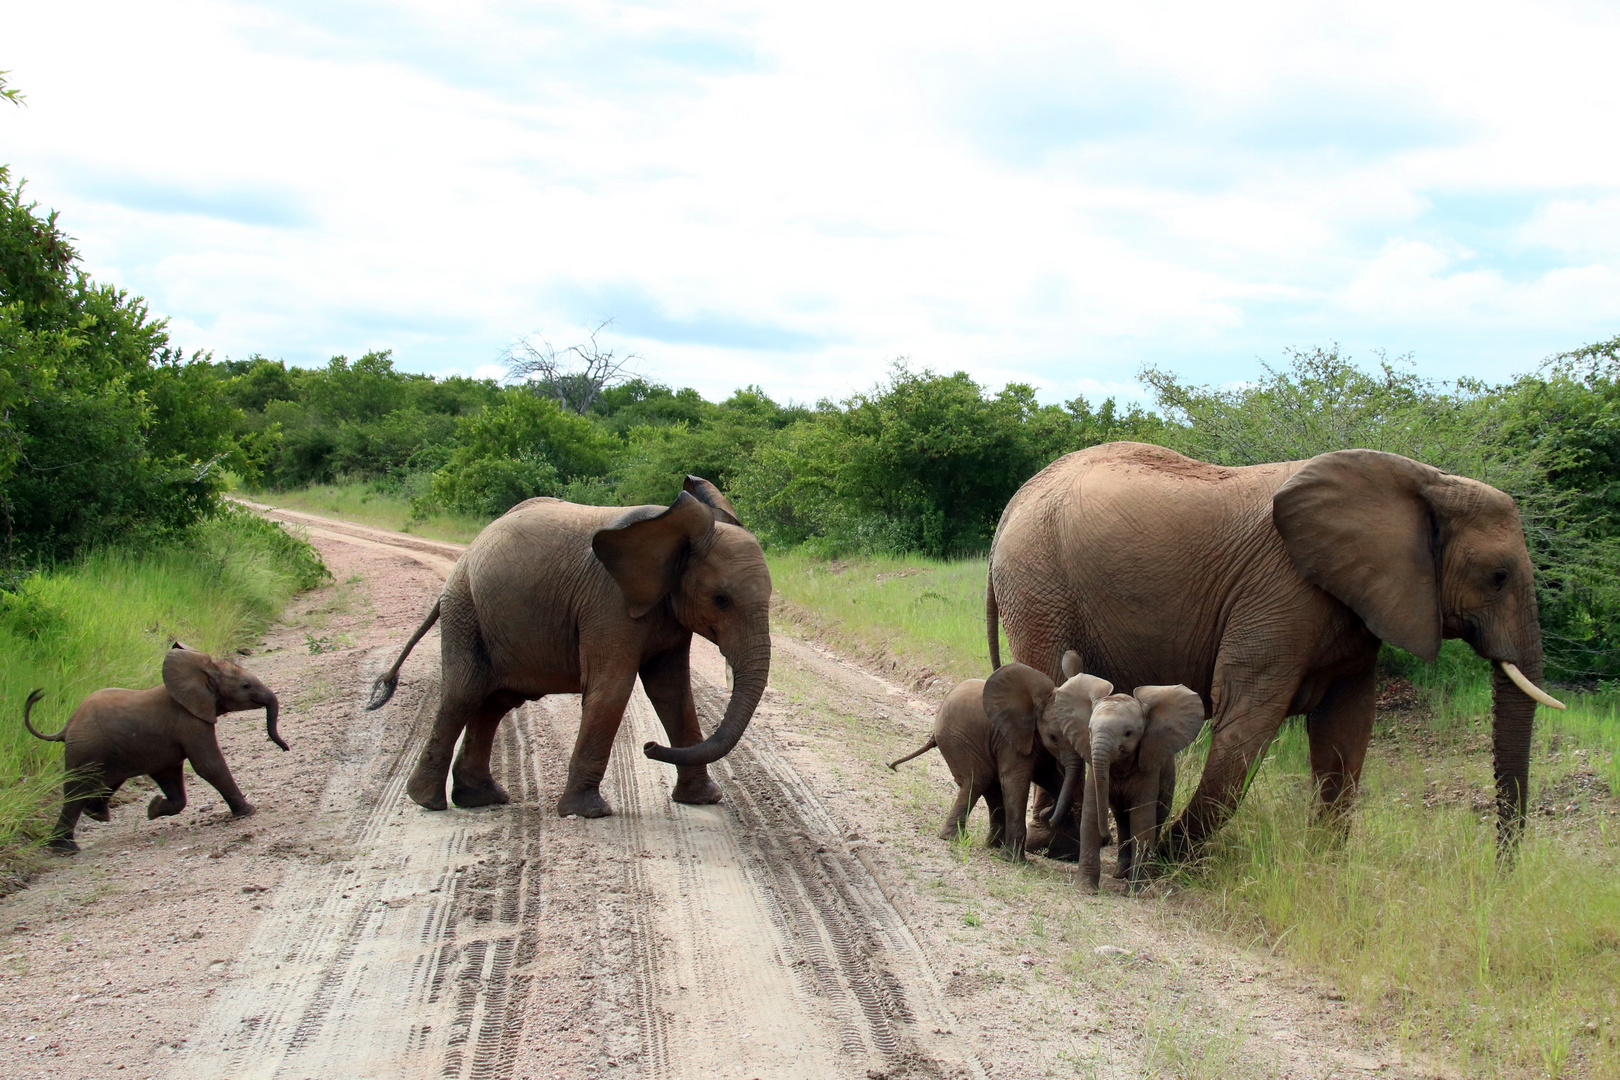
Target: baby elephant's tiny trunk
271,711
1073,765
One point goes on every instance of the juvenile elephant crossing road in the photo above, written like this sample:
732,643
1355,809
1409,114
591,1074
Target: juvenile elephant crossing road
744,939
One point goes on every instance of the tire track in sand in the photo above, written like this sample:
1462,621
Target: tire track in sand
741,939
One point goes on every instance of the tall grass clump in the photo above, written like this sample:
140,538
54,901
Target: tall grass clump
106,618
927,612
1510,970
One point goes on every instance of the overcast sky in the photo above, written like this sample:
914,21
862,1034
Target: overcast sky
795,194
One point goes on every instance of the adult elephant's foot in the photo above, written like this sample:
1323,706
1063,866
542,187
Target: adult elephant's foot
427,791
586,803
696,791
470,793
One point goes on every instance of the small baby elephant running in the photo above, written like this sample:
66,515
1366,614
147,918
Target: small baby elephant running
116,734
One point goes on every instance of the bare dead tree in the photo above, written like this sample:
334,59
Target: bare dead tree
573,377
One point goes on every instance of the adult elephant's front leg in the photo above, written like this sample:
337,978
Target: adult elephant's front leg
1340,729
1244,724
667,679
601,712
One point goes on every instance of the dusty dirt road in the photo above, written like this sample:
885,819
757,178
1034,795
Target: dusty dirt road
809,926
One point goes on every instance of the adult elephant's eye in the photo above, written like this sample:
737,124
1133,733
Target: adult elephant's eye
1499,578
722,601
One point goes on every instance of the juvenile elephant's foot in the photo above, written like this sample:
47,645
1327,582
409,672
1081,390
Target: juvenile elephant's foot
245,810
427,790
162,807
97,810
64,845
587,803
470,793
696,790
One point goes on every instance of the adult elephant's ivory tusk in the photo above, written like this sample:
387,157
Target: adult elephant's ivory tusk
1531,688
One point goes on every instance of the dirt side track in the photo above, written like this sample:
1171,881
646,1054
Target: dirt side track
744,933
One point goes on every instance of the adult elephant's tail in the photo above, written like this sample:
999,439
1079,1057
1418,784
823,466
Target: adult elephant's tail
384,687
992,620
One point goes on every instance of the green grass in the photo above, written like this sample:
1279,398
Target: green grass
927,612
364,504
1513,974
106,620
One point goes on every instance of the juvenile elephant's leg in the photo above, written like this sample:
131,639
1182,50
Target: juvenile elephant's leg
1339,730
602,710
471,782
1015,784
667,678
967,796
1144,833
1125,854
171,782
209,764
1090,842
997,806
78,793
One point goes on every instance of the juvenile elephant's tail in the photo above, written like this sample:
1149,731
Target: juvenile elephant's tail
28,707
927,746
992,621
384,687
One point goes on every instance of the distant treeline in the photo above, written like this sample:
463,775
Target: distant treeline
107,432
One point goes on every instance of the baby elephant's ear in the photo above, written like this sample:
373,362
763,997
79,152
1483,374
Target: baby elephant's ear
709,495
191,679
1072,665
1175,716
1074,702
1014,699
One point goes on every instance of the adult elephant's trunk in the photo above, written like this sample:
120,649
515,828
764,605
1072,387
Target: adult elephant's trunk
271,712
751,666
1073,768
1517,689
1102,761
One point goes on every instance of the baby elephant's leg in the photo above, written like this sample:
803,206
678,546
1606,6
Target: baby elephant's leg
210,765
173,800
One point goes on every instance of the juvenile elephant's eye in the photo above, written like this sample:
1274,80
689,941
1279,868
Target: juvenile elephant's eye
1499,578
722,601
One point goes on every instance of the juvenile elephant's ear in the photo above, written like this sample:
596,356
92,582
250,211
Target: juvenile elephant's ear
1074,703
1015,696
191,679
1175,716
1359,525
1072,665
709,495
647,555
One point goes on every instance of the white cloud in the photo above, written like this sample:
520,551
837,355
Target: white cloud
794,195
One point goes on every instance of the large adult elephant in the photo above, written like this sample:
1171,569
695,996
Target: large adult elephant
1267,589
556,598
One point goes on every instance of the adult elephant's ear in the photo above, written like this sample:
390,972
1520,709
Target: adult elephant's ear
709,495
647,555
191,679
1358,524
1175,716
1014,699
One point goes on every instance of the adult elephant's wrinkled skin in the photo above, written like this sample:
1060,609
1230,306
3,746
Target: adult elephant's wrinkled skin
557,598
1267,590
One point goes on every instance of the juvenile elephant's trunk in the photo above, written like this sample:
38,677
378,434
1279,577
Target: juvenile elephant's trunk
752,669
1102,760
271,712
1073,766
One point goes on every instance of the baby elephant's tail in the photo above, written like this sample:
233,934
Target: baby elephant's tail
28,707
383,688
927,746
